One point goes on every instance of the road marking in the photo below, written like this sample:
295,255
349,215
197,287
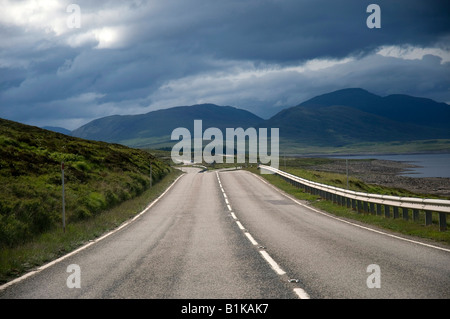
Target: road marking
29,274
252,240
229,208
348,222
240,225
272,263
301,293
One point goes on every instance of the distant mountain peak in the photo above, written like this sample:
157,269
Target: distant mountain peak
351,115
154,128
348,97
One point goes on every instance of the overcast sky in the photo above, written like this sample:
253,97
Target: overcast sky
132,57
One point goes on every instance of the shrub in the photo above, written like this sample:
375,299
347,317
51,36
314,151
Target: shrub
13,231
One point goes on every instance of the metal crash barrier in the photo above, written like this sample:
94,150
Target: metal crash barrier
372,203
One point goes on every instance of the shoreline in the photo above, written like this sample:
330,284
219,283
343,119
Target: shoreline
388,173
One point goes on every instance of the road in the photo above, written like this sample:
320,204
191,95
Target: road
229,234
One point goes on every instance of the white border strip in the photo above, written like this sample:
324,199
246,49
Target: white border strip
29,274
348,222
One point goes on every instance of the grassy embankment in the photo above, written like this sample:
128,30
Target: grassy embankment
105,184
302,167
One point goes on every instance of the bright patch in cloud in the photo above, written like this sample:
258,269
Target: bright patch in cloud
106,37
413,53
47,15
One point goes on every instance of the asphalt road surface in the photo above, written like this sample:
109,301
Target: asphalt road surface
229,234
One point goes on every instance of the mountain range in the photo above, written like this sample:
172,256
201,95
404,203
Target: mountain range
334,119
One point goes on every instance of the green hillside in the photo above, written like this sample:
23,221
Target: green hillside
401,108
351,117
339,121
154,129
343,125
98,176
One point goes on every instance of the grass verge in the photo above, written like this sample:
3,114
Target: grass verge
52,244
410,228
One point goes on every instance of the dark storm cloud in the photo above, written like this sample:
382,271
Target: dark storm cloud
284,31
135,56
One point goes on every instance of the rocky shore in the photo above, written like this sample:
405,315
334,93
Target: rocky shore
387,173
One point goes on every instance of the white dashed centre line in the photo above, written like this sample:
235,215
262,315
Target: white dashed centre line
252,240
302,294
272,263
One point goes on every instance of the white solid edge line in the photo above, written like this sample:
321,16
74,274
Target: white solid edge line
301,293
272,263
350,223
252,240
31,273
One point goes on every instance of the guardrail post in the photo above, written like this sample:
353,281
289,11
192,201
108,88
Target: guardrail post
395,212
442,221
387,211
375,202
405,213
379,209
428,218
415,214
359,206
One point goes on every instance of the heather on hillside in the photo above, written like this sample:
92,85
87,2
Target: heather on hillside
98,176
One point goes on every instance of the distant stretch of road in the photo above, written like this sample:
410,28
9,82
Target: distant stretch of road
229,234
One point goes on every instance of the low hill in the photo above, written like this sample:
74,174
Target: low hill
57,129
342,125
97,176
341,118
356,116
397,107
154,128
